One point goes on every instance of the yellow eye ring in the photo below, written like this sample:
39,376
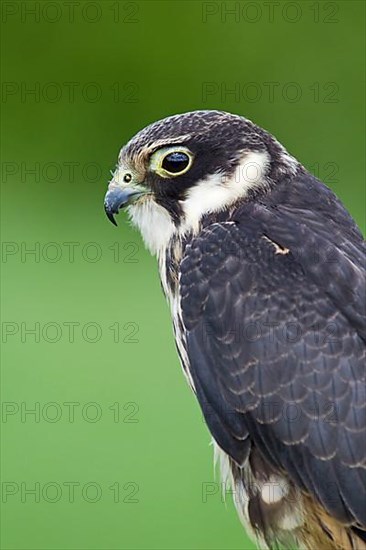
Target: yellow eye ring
169,162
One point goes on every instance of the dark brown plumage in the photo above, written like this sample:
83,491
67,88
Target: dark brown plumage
265,274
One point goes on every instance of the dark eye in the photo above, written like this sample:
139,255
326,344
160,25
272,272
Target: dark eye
175,162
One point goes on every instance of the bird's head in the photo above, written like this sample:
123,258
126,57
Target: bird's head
178,170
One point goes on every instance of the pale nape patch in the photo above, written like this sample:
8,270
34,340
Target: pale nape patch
217,191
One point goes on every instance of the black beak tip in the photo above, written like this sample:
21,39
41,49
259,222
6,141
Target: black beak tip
110,214
111,218
117,198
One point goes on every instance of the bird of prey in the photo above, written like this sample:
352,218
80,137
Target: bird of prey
264,271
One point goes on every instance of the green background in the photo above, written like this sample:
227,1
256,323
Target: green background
162,57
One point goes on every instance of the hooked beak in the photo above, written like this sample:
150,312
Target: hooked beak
117,198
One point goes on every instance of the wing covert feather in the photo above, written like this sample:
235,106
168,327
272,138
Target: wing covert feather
276,352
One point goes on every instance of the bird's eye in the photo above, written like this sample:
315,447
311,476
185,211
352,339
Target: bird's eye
171,161
176,162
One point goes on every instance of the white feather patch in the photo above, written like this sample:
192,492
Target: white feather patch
154,223
274,490
218,192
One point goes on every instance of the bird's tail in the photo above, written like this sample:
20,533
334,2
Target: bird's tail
323,532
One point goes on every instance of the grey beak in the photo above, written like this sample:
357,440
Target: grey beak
118,198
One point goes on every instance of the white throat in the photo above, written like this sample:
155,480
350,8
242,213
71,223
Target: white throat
154,224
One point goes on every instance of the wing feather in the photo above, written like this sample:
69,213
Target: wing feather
276,350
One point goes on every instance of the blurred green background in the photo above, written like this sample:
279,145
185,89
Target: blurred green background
116,452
